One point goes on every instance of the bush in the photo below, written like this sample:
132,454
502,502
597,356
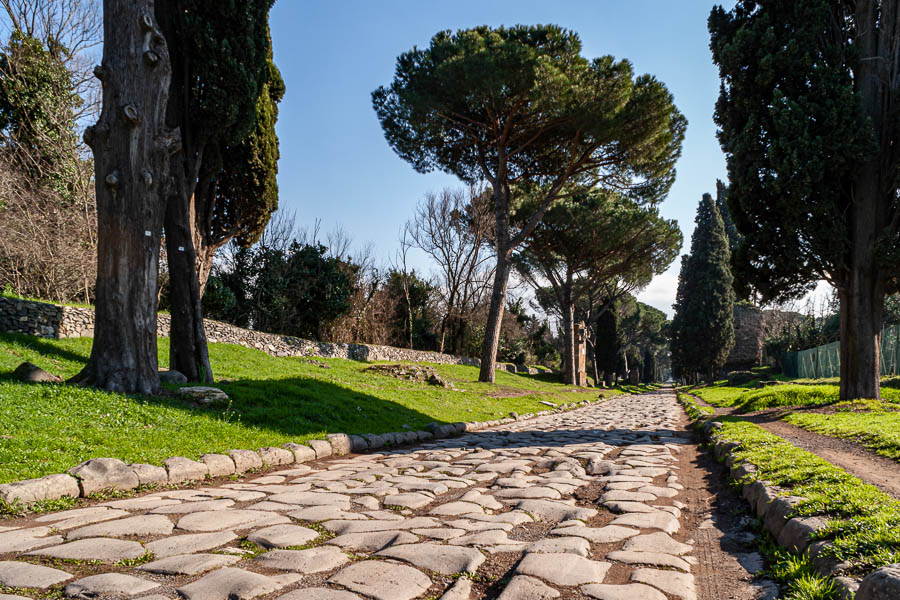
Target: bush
741,377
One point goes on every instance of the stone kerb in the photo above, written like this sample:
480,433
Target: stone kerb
98,474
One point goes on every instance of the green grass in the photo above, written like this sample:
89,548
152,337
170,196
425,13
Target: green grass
720,396
795,572
863,521
50,428
878,430
695,411
750,399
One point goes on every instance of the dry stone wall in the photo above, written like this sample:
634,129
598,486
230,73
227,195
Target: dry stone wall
52,321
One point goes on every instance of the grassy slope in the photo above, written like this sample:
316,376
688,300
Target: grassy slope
878,430
50,428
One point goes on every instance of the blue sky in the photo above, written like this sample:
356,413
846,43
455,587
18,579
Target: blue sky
335,164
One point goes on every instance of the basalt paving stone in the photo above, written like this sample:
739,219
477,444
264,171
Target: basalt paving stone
12,597
522,587
218,520
17,574
142,503
189,564
562,545
323,513
550,510
235,584
442,533
103,549
382,580
191,507
457,508
318,593
601,535
563,569
631,591
310,498
312,560
80,516
655,559
142,525
679,585
619,506
410,500
108,584
446,560
282,536
23,540
657,542
461,590
372,541
655,520
343,526
192,542
483,538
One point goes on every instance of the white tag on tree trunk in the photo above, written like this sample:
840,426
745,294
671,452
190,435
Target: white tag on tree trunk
147,233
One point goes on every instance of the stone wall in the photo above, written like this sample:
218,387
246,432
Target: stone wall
52,321
749,337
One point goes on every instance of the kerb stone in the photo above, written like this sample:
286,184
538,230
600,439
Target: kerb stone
321,447
50,487
99,474
301,452
272,456
184,469
219,465
340,443
245,460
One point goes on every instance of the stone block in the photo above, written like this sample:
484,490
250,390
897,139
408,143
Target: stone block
358,444
340,443
205,395
797,532
99,474
150,474
321,447
374,441
881,584
184,469
779,513
50,487
219,465
764,500
272,456
245,460
302,453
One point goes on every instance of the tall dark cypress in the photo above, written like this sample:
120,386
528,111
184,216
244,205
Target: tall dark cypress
703,326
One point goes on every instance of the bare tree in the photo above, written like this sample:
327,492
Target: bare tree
453,228
400,265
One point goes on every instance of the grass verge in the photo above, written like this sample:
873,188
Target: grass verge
47,429
878,429
864,523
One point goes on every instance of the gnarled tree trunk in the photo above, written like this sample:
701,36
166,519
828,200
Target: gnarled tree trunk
131,146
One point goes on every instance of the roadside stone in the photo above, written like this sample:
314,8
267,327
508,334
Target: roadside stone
797,532
631,591
656,542
382,580
235,584
655,520
108,584
99,474
204,395
321,448
50,487
23,540
182,469
340,443
446,560
312,560
372,541
276,456
281,536
358,444
218,465
189,564
680,585
17,574
186,544
245,460
563,569
522,587
139,525
150,474
881,584
103,549
656,559
302,453
31,373
172,376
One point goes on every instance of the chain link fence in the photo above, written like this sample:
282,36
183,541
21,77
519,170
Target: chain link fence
825,361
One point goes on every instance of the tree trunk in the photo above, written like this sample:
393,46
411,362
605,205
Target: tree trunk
568,326
131,147
495,318
187,336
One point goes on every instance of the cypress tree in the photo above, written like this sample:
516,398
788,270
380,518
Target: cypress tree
703,326
606,344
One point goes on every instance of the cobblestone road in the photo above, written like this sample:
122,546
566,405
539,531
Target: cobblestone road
583,504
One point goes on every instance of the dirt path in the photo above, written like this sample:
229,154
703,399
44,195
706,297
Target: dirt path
876,470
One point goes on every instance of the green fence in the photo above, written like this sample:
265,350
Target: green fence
825,361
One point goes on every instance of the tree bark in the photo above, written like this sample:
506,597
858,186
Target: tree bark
568,326
131,147
495,319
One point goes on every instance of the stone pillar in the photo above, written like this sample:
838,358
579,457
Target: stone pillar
580,354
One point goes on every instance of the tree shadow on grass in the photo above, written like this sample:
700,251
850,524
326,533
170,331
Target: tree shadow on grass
47,348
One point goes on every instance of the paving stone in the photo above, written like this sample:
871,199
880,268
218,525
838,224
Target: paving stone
142,525
235,584
456,508
631,591
16,574
440,533
218,520
626,496
680,585
182,469
99,474
620,506
189,564
245,460
531,492
562,545
309,498
108,585
601,535
312,560
282,536
657,542
185,544
12,597
219,465
461,590
656,520
191,507
555,511
341,526
324,513
382,580
410,500
662,492
563,569
655,559
42,488
276,456
141,503
522,587
446,560
23,540
491,537
103,549
318,593
372,541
